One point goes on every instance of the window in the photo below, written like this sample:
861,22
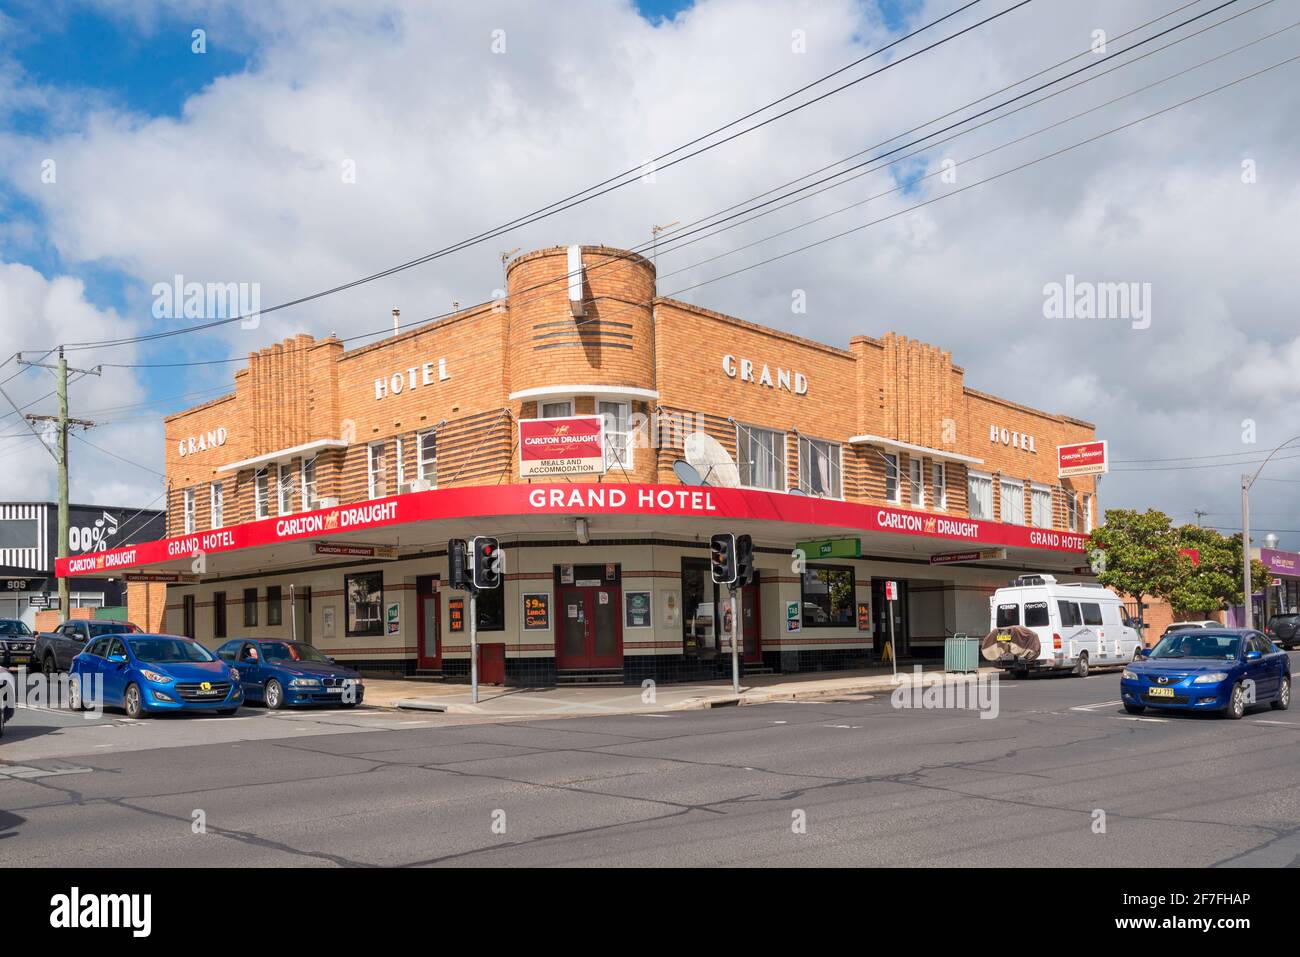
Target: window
555,410
1008,615
1072,511
491,607
261,503
699,610
284,489
891,478
219,614
399,467
227,651
375,470
1013,502
819,468
309,498
427,461
761,458
1036,614
916,481
273,599
827,592
216,495
1087,513
979,495
365,598
938,485
1040,506
618,433
1091,612
188,511
250,607
1070,615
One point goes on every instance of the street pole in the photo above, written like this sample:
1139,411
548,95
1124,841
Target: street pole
1247,604
735,640
62,389
893,651
473,647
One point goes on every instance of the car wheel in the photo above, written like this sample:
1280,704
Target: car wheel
1135,708
132,702
1283,699
1081,669
47,667
274,695
74,692
1236,703
2,721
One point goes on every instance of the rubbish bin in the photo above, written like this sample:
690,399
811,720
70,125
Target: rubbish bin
961,653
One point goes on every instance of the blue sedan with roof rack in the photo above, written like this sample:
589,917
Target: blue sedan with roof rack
1225,670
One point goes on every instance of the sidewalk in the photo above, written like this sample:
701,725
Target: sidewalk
615,699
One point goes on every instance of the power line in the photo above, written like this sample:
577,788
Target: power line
600,189
116,456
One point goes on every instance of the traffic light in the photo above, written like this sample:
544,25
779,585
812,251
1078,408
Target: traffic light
722,558
456,564
485,562
744,559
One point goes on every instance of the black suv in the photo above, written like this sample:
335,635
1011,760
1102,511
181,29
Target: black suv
16,641
1284,630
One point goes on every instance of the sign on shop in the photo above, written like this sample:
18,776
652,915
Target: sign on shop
168,578
864,616
537,611
456,614
1082,458
355,550
983,554
793,617
574,445
832,548
637,614
39,601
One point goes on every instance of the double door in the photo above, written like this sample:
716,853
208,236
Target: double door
591,626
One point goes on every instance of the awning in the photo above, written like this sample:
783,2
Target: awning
420,522
909,447
542,393
306,450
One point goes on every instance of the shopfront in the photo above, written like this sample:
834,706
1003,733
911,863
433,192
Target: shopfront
326,485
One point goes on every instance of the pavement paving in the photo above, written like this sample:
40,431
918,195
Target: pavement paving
1061,776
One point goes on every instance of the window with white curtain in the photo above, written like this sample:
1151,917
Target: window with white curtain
1087,513
819,468
1072,510
616,417
261,495
555,410
979,495
1013,502
1040,506
916,481
427,465
938,485
216,498
188,512
891,477
284,490
399,466
376,470
760,458
309,499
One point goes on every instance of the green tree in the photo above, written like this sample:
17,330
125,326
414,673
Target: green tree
1213,582
1136,553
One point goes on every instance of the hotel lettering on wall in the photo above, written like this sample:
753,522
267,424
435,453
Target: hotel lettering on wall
412,378
1016,440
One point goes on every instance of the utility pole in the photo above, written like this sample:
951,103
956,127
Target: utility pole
1200,514
61,456
1246,482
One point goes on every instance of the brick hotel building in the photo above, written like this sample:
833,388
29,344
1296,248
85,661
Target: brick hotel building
317,497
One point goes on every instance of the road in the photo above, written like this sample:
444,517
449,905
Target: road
871,784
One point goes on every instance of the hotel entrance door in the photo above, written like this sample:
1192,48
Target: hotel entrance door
589,604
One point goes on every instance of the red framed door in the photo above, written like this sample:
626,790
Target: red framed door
590,634
429,653
752,618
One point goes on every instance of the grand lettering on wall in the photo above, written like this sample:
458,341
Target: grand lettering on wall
785,380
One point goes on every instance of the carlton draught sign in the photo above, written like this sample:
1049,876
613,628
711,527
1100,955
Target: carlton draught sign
570,446
1082,458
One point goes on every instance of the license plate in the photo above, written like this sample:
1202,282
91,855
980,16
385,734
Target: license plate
334,690
1004,637
1160,692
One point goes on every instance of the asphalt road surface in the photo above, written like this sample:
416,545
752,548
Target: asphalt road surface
1062,776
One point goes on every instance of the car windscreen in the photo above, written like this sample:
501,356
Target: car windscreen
1195,643
110,628
15,628
163,650
291,651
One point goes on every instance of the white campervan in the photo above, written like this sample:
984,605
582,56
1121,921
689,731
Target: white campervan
1079,626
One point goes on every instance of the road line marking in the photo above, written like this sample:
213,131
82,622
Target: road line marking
1124,717
1285,724
1094,707
642,714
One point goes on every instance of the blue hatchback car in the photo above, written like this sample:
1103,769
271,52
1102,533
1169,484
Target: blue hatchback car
149,674
283,673
1214,669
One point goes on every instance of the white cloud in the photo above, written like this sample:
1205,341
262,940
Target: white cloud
449,138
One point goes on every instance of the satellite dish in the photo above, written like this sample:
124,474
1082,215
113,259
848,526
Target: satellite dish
797,491
711,460
687,474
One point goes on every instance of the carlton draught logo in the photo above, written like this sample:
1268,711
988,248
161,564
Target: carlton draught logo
930,525
570,446
331,521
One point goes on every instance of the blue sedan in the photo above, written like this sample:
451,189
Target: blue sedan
149,674
1225,670
283,673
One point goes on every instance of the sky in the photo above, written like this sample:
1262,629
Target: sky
291,146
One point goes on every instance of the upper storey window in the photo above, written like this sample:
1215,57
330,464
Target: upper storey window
555,410
979,495
819,468
618,434
761,458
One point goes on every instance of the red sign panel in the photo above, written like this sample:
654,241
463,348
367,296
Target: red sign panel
712,504
568,446
1082,458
